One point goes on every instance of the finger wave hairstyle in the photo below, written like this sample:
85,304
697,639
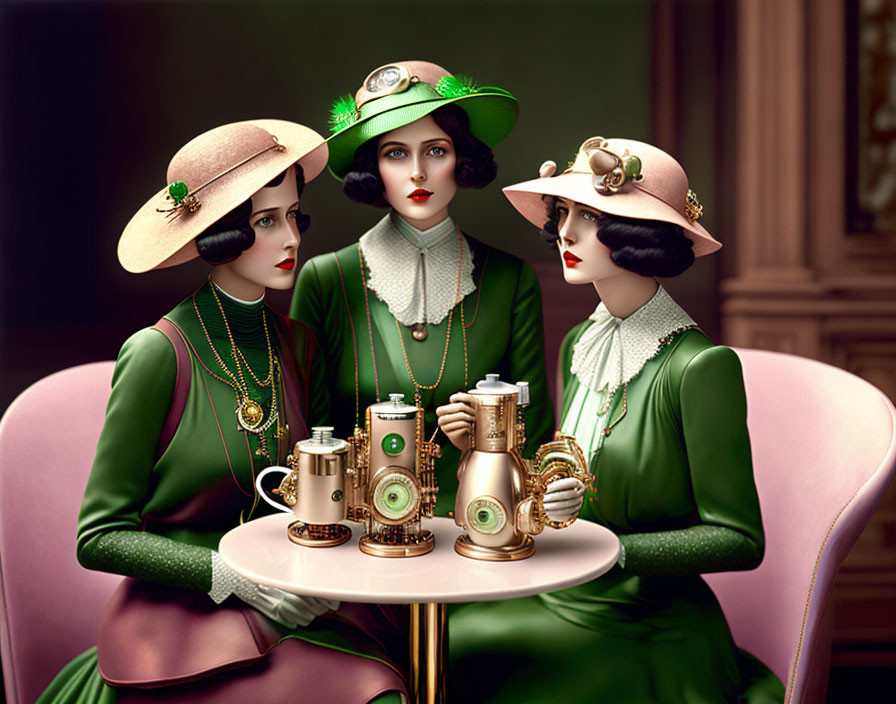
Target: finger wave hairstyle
646,247
475,167
229,237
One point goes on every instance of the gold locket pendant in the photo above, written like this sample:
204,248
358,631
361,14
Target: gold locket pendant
249,414
419,332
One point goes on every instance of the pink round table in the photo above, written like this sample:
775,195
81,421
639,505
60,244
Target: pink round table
261,551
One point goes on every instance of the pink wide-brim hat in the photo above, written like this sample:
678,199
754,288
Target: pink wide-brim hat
217,171
659,193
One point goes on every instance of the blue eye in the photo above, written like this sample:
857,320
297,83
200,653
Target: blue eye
266,221
395,153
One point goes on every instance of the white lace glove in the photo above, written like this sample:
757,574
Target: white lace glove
289,609
563,499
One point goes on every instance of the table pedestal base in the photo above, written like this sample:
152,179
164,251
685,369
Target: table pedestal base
429,652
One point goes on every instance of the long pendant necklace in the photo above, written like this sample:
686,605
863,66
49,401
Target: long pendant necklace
249,412
417,386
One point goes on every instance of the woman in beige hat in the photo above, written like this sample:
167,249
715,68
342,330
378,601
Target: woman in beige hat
201,402
661,414
417,305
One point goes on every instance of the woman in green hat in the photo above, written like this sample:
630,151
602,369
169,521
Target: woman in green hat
417,306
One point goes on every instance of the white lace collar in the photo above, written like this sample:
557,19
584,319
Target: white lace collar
612,351
402,260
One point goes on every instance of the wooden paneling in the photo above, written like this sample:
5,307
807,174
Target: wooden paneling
803,282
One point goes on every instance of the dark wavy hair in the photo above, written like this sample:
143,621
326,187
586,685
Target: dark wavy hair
227,238
646,247
475,167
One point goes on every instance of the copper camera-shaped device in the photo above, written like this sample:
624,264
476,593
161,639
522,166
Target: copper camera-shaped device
383,476
500,496
391,481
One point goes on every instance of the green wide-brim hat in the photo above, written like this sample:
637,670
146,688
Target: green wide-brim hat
492,111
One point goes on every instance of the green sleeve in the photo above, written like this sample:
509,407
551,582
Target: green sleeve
309,307
527,358
110,536
714,427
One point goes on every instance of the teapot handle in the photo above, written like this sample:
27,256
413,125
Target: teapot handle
269,470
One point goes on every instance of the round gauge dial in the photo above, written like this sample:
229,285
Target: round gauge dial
395,496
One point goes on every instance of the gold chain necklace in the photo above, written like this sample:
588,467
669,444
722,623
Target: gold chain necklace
238,353
249,413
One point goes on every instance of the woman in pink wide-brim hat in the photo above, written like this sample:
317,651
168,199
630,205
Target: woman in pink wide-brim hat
661,414
201,403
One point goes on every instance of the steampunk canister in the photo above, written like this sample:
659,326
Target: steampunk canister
492,475
314,489
392,483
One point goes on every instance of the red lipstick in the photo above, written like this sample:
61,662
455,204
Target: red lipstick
570,259
287,264
420,195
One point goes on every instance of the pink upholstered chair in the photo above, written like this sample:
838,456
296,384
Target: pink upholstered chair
824,451
49,605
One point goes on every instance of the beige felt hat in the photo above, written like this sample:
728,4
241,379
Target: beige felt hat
620,177
208,177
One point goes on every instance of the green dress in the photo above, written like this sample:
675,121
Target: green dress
674,480
496,328
153,510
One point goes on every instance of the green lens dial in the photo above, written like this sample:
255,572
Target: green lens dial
486,515
393,444
395,496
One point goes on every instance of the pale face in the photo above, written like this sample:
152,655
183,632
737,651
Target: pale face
270,262
416,164
585,260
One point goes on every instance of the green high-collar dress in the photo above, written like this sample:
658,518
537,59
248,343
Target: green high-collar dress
496,328
673,478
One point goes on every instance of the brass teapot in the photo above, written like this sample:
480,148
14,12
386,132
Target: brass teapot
500,496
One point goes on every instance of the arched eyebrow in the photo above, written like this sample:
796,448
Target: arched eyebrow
392,144
274,209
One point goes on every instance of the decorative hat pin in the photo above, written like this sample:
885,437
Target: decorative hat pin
181,199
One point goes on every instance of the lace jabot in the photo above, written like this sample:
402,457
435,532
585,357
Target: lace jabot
414,272
612,351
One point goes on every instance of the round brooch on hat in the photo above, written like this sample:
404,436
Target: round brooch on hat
611,170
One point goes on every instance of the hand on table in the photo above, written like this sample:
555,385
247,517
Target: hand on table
563,499
289,609
456,420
